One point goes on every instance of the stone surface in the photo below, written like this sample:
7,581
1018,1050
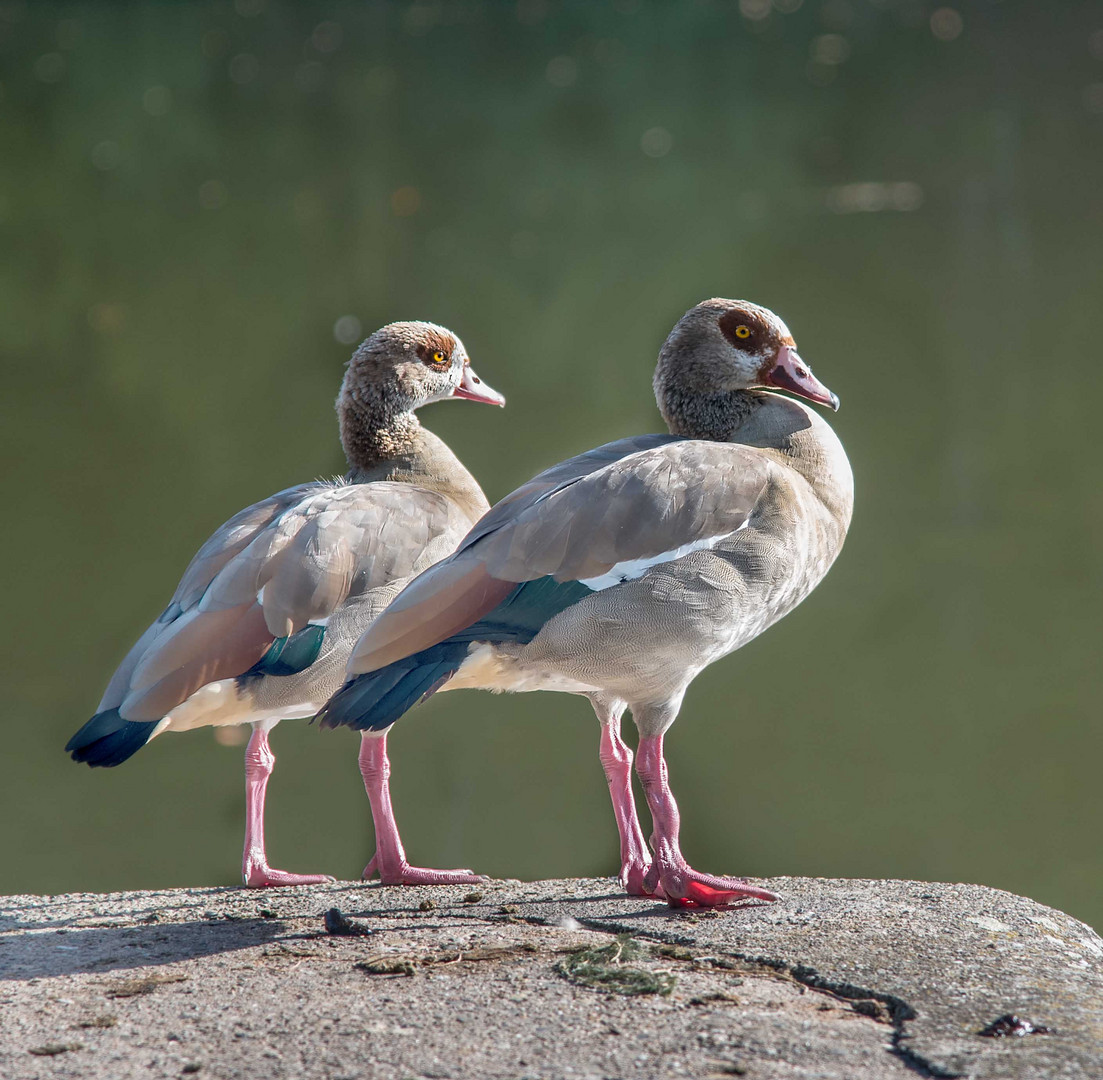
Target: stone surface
846,979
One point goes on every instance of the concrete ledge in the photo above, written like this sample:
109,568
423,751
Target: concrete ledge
847,979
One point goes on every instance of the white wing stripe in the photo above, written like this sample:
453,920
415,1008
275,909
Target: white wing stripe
630,569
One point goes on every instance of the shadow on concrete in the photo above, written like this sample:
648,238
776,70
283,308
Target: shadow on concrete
53,953
16,914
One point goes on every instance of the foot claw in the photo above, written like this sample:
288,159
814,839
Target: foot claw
263,877
704,890
419,875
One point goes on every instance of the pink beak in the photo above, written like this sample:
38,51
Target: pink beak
474,389
791,374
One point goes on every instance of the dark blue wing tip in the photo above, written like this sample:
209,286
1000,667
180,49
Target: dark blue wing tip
331,714
108,740
375,700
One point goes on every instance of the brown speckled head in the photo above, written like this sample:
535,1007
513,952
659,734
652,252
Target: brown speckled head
401,367
721,347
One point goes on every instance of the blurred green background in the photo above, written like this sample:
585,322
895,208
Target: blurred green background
204,206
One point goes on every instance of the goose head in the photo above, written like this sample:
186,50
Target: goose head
409,364
401,367
721,346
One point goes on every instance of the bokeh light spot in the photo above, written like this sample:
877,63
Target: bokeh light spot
752,207
249,9
755,10
405,201
231,734
213,194
326,37
105,155
562,71
310,77
347,330
905,195
244,68
656,142
531,12
380,81
107,318
50,67
420,17
946,24
157,100
869,197
830,49
67,33
214,44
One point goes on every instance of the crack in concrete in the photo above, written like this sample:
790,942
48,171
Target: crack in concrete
932,966
900,1012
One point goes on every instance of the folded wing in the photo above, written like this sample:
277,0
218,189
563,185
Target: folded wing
270,573
602,517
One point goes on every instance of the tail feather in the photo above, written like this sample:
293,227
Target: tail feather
374,701
107,739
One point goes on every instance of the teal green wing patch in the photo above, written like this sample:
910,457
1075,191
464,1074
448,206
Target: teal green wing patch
290,655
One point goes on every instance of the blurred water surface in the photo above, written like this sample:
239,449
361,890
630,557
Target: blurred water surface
203,205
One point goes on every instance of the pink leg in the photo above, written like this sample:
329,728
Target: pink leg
670,873
259,762
616,760
389,860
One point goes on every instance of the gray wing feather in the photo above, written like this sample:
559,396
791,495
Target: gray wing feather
638,506
558,477
223,544
270,570
633,499
231,538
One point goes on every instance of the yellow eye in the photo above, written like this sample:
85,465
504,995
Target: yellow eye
439,357
742,331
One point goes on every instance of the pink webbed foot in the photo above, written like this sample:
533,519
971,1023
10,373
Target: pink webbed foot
264,877
670,876
682,886
405,874
255,871
389,860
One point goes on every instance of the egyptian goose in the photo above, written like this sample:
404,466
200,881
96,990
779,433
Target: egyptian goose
623,572
263,620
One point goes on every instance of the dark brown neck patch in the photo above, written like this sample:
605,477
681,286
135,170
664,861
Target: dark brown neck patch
694,415
376,425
